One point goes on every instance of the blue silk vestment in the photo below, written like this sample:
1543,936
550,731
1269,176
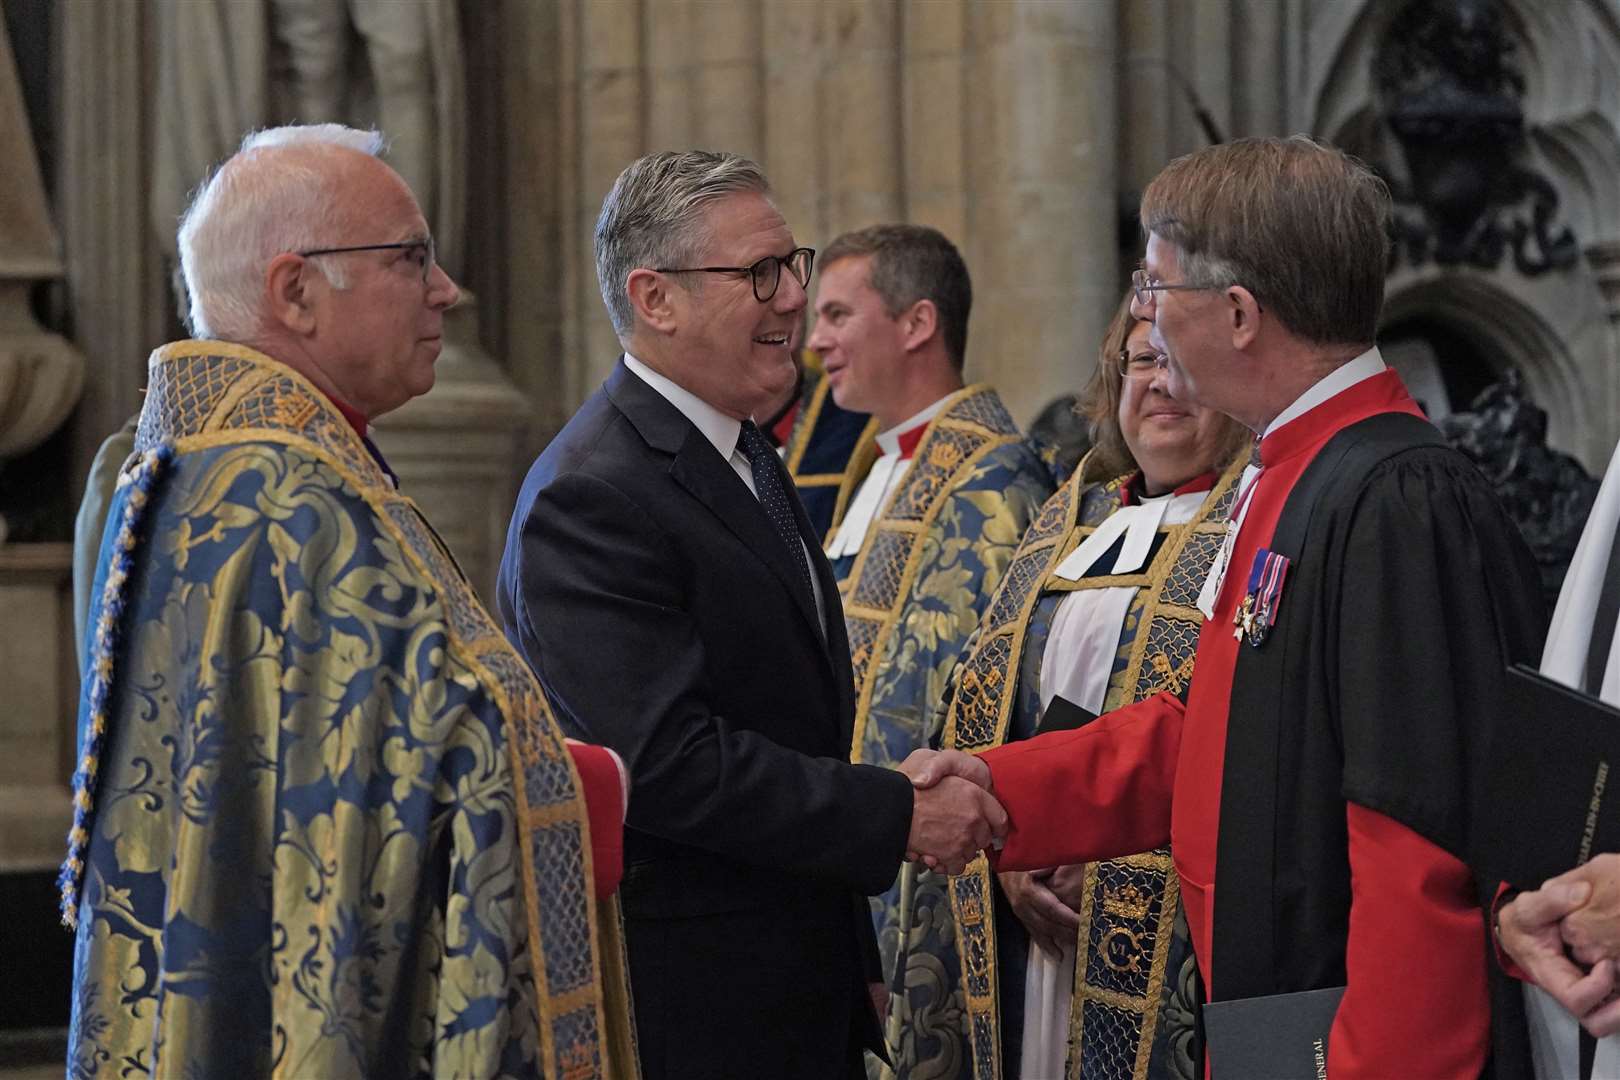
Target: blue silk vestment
325,823
912,595
1133,1012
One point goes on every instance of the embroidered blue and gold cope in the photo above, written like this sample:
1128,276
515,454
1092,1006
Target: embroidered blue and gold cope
1132,1013
325,822
912,596
820,452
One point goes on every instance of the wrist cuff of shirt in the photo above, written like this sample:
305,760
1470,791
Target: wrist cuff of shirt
1504,895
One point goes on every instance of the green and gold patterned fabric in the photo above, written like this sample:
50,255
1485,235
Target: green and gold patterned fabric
326,825
1133,1009
912,596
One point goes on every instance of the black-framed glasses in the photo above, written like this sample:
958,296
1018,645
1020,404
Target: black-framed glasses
766,274
1144,287
1140,365
421,251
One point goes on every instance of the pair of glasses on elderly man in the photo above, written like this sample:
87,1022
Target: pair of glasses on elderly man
420,252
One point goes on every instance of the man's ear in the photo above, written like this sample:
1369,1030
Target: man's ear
918,324
1243,315
653,299
289,292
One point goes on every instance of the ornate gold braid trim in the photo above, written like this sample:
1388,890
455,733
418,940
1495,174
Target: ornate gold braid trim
972,424
203,394
860,460
981,711
855,470
977,720
805,426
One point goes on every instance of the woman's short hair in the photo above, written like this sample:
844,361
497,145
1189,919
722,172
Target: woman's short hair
1099,406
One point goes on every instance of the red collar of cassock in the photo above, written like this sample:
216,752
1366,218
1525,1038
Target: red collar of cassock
354,416
1132,492
910,438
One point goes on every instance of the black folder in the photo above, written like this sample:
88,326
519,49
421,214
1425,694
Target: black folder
1277,1037
1547,795
1063,715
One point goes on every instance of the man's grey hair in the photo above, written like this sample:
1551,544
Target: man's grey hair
653,217
259,204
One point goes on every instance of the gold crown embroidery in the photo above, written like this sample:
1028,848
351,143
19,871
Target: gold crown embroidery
1128,902
944,455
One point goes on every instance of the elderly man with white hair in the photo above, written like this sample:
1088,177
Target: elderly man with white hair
324,821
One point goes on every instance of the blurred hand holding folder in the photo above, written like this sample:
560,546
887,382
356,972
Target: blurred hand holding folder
1543,804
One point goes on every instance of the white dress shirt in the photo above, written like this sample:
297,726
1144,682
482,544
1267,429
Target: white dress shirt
722,432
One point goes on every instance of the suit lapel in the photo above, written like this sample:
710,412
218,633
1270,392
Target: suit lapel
712,482
837,637
710,479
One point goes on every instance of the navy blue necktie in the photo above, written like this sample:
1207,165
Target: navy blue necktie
773,497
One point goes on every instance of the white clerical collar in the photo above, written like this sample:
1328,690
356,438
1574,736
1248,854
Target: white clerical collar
1332,384
879,483
889,441
1138,523
717,427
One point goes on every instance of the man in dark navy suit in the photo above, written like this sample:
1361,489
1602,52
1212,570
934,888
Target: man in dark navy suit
661,577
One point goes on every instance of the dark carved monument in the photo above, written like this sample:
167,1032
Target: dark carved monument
1451,92
1548,494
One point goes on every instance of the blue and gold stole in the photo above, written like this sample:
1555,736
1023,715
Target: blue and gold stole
972,424
1130,907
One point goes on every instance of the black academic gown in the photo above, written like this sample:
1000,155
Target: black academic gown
1407,554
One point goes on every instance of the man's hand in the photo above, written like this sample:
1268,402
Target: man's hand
951,822
1528,928
1592,931
1047,902
928,767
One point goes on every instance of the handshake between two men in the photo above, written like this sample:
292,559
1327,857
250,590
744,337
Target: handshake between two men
954,815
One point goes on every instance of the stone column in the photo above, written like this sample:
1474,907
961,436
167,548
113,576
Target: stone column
1145,83
1258,75
705,77
791,46
539,280
611,133
858,129
118,298
1204,58
934,95
1044,217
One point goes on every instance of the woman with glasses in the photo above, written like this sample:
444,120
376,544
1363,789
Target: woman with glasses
1087,970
